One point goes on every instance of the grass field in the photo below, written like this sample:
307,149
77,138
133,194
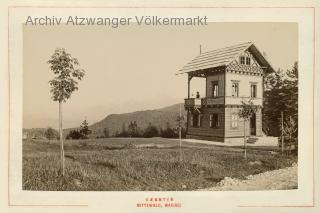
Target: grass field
118,164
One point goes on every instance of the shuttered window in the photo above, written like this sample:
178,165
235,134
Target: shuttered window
234,120
235,89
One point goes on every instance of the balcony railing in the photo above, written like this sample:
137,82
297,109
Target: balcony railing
192,103
199,102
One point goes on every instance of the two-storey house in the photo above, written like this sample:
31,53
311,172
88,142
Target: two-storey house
232,74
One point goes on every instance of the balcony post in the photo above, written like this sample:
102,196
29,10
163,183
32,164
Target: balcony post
188,111
189,79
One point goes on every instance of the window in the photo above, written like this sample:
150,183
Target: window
195,120
234,120
214,121
235,89
215,89
253,90
242,59
199,120
248,60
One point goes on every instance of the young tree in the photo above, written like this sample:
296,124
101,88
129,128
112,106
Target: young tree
247,110
67,72
180,119
84,129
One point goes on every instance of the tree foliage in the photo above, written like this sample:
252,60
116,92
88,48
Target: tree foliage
290,129
75,135
84,129
247,110
80,134
67,71
281,95
51,133
151,131
133,129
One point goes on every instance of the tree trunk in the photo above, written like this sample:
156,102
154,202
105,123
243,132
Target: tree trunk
61,138
245,139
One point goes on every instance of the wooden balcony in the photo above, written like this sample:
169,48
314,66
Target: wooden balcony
192,103
212,101
197,103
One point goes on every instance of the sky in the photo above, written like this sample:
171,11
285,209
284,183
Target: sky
133,68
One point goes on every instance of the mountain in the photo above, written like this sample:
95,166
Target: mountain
158,117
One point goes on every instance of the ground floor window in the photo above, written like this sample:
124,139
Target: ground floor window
195,120
214,121
234,121
199,120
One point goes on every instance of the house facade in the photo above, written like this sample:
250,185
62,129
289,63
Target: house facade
233,74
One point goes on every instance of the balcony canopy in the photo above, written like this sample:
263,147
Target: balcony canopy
223,57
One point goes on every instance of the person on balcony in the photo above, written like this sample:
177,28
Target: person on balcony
198,95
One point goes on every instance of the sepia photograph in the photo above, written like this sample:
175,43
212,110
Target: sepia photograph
166,108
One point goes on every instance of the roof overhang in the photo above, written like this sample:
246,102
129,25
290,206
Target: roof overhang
223,57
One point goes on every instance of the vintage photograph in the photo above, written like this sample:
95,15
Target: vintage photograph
166,108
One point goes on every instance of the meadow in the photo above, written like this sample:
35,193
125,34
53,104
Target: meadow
139,164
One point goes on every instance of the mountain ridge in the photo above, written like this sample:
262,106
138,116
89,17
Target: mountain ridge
161,118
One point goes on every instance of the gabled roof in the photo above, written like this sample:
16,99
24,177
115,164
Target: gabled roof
223,57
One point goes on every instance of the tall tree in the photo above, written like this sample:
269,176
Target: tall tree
67,71
281,95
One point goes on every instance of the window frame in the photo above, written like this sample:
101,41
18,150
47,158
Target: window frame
234,121
236,83
213,84
253,93
248,59
242,59
214,123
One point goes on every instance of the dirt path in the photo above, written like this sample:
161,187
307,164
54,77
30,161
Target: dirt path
286,178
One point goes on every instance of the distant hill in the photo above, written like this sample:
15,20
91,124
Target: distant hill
158,117
33,133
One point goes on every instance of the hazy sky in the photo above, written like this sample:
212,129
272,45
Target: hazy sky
133,68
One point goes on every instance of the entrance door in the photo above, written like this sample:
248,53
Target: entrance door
253,124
